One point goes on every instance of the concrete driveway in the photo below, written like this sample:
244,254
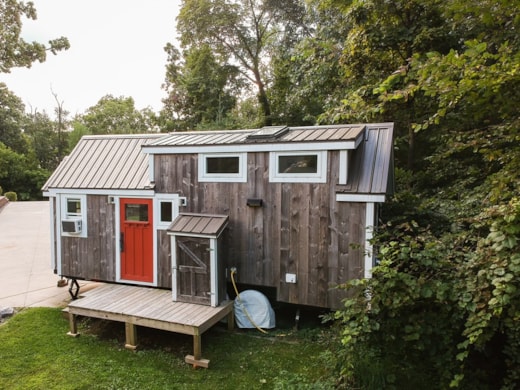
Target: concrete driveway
26,274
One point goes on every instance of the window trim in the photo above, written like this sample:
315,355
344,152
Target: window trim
175,200
319,177
65,215
239,177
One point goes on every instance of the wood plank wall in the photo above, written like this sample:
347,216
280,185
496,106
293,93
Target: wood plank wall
300,228
92,257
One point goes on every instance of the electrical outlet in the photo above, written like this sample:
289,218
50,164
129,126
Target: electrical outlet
290,278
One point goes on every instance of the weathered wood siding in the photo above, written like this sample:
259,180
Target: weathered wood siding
300,228
164,264
92,257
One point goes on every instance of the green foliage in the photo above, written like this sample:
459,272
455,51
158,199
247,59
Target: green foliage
12,119
443,302
21,173
403,319
16,52
11,196
47,143
116,116
199,89
491,294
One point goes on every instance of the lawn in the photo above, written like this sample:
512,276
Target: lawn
36,353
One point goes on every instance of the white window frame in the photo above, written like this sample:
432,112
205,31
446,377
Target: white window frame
239,177
81,216
320,176
174,199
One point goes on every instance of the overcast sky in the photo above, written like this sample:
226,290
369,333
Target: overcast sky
116,48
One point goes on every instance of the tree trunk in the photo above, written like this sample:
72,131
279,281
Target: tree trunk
263,100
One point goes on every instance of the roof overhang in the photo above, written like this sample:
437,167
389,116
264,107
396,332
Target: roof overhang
198,225
256,147
105,191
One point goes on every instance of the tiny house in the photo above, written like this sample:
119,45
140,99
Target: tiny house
289,208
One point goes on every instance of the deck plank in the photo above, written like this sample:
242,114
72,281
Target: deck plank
148,307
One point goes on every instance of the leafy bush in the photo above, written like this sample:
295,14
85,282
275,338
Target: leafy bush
11,196
439,311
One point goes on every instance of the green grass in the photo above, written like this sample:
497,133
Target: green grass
36,353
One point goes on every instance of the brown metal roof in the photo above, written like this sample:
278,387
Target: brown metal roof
371,170
198,224
104,162
332,133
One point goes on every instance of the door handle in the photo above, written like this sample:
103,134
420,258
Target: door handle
122,242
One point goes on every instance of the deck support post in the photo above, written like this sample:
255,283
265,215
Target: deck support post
73,325
131,336
231,320
196,359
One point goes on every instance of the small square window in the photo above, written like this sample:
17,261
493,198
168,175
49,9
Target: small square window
298,167
73,207
166,212
166,209
223,167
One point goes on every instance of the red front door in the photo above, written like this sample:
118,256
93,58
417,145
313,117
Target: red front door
136,239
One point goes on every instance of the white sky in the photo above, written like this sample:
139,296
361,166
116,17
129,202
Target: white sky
117,48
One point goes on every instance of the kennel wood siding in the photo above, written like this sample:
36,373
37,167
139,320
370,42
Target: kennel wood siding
300,228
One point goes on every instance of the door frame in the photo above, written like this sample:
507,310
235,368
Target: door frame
117,201
176,200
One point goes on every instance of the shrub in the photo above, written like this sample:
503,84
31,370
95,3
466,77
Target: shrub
11,196
441,311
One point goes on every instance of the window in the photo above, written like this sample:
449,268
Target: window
136,212
73,207
74,215
217,165
223,167
298,167
166,209
166,212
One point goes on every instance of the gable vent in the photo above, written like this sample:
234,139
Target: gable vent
269,132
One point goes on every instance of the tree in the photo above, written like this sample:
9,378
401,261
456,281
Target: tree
444,301
240,32
116,116
306,68
16,52
199,88
380,38
12,119
46,143
61,116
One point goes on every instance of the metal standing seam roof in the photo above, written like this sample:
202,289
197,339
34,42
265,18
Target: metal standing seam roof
104,162
120,162
371,166
333,133
198,224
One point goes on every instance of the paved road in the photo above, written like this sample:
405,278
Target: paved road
26,275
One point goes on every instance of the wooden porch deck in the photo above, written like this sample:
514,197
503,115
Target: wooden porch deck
149,307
